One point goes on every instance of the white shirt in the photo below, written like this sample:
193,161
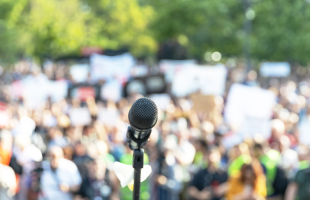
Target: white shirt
185,151
289,158
66,173
7,179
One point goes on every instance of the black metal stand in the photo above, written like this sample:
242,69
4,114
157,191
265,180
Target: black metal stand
137,165
136,145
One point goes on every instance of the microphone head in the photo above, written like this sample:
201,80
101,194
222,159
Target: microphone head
143,114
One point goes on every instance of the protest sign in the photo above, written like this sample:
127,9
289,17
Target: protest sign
58,90
4,115
275,69
170,67
109,117
35,90
161,100
249,109
79,72
245,101
111,90
209,80
83,91
212,80
139,70
80,116
205,103
4,119
17,89
152,84
105,67
304,132
230,140
251,127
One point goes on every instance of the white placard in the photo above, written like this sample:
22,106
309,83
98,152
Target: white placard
79,72
275,69
58,90
106,67
230,141
161,100
209,80
248,102
4,119
251,127
80,116
111,91
304,131
171,67
109,117
35,90
139,70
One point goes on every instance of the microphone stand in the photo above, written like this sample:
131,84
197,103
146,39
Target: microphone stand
137,165
138,158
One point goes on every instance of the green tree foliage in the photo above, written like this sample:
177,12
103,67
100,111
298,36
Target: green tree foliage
39,28
118,23
281,30
208,25
60,27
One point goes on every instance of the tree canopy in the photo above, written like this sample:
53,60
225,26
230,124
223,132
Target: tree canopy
40,28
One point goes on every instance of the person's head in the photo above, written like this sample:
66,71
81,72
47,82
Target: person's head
96,169
258,150
80,149
278,128
200,145
213,157
284,143
248,174
6,139
252,75
56,154
303,153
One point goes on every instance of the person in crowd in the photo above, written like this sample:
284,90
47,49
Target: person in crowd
7,182
176,148
288,156
81,158
209,183
60,177
275,175
169,174
239,155
249,184
199,161
5,146
100,183
184,151
27,157
299,187
56,138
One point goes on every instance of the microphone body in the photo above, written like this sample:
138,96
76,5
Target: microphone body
142,117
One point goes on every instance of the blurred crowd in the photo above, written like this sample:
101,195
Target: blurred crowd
44,157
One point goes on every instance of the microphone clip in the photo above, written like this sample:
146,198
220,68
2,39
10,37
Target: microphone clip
135,143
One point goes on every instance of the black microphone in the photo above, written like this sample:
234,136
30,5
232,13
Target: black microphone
142,116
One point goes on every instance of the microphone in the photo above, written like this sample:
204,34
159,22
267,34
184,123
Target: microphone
142,116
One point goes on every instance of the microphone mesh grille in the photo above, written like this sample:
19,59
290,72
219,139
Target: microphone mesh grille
143,114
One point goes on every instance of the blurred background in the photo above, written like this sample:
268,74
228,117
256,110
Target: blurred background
230,80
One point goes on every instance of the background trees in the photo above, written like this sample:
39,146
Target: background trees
39,28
